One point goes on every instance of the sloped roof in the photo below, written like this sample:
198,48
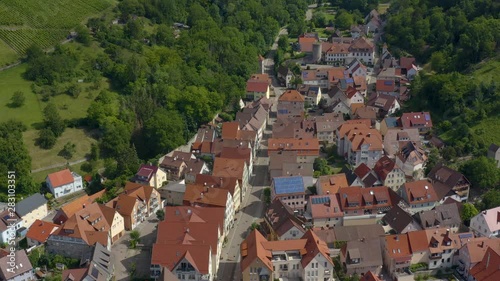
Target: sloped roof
41,230
229,167
22,265
384,166
410,119
291,95
489,268
281,217
30,204
199,194
314,247
357,232
442,215
61,178
71,208
252,248
420,192
288,185
332,183
325,206
398,219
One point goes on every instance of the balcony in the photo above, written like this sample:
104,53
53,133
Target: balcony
436,256
327,273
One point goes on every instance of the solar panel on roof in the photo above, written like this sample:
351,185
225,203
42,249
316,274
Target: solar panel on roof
465,235
388,83
427,117
320,200
288,185
304,74
350,80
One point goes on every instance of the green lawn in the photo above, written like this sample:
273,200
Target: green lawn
46,157
488,71
40,176
7,54
11,81
321,32
489,130
382,8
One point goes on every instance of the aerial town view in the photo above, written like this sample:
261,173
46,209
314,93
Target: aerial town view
272,140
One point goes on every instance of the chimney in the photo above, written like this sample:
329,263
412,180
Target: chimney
187,230
498,217
220,182
84,205
482,244
201,195
397,238
488,260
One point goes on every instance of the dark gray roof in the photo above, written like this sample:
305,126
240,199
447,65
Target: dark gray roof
29,204
493,147
349,174
398,219
357,232
442,216
102,262
369,180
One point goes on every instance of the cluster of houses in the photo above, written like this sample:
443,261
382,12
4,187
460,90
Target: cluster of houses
382,214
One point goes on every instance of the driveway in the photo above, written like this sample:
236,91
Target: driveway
127,259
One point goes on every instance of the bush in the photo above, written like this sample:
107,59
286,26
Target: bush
49,196
18,99
46,139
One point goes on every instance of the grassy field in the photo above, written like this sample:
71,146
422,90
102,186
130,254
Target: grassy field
382,8
27,22
40,176
11,80
46,157
488,130
488,70
7,55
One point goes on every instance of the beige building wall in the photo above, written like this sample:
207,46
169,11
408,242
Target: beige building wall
117,227
39,213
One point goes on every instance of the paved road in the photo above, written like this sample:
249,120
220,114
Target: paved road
59,165
252,211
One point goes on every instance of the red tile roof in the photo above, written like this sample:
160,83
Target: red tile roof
257,86
227,167
304,147
325,206
205,196
370,276
384,166
306,44
40,230
385,85
488,269
252,248
332,184
230,130
419,192
61,178
398,247
357,198
362,170
416,119
291,96
71,208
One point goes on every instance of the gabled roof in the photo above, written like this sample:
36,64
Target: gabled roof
493,147
252,248
492,218
30,204
440,216
228,167
123,204
61,178
361,44
325,206
419,192
477,247
332,183
398,247
421,119
370,276
365,198
236,153
281,217
385,85
489,268
291,96
357,232
314,247
446,176
41,230
203,195
195,214
407,62
367,250
228,183
398,219
71,208
384,166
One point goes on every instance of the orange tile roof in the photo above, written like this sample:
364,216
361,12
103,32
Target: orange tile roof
252,248
338,48
123,204
40,230
420,192
140,191
477,247
71,208
325,206
488,269
61,178
228,183
285,245
370,276
361,196
314,246
302,146
331,184
230,130
398,247
418,241
369,137
186,235
203,195
79,226
291,96
227,167
236,153
348,126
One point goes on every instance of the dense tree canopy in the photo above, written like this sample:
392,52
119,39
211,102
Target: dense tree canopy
482,172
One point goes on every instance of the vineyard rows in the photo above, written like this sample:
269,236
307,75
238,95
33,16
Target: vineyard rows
20,40
49,14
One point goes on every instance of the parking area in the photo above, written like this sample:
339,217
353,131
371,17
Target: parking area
130,263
